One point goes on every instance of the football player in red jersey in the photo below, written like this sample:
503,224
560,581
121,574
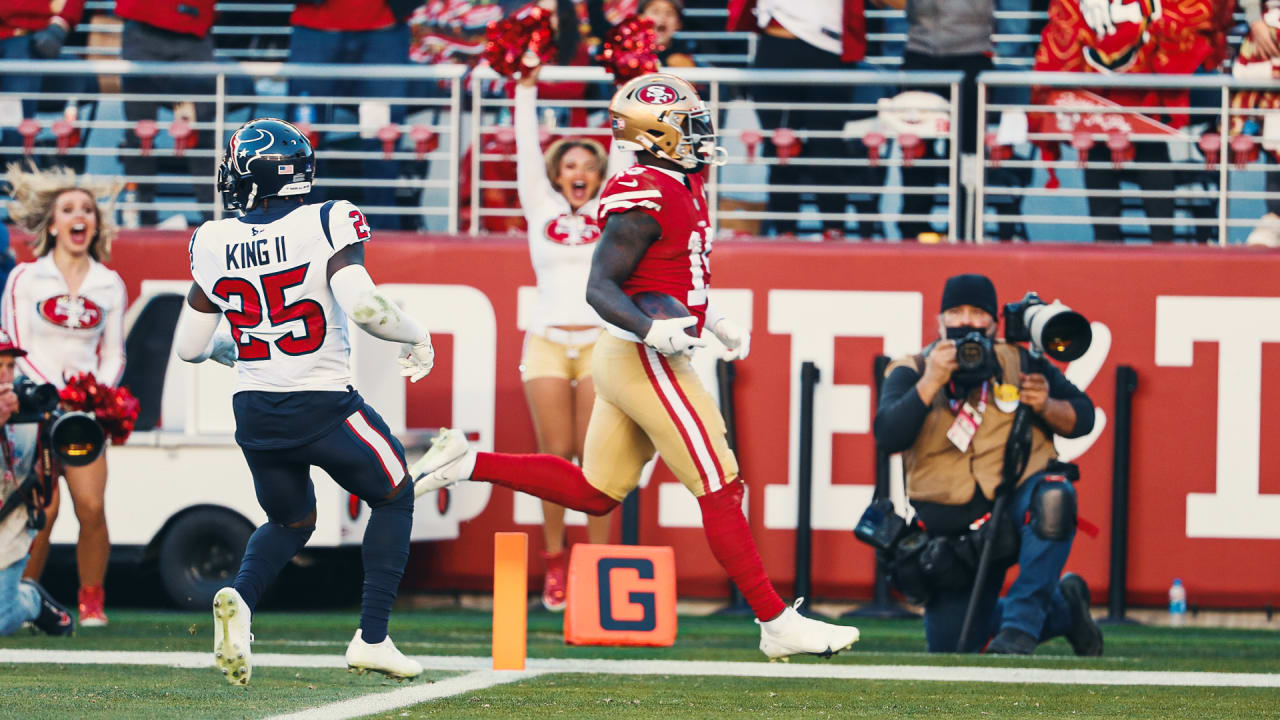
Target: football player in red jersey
656,238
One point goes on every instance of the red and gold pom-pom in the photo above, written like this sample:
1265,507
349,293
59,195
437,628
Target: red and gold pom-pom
520,42
630,50
115,409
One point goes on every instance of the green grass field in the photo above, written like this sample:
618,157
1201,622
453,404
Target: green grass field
34,688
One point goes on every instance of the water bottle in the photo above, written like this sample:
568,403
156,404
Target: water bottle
130,218
1177,603
305,112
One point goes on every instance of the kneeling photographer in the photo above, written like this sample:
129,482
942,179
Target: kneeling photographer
968,413
32,427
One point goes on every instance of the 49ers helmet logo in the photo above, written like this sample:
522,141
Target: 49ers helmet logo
70,312
657,94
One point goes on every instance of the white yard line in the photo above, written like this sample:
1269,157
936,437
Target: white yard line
969,673
404,697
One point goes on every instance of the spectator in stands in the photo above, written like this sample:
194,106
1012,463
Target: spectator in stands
166,31
815,35
944,35
668,19
1261,44
30,29
67,308
1170,37
356,32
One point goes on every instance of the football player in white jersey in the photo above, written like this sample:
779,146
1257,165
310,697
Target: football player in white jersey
287,275
67,307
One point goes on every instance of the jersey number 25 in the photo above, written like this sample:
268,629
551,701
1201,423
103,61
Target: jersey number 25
278,313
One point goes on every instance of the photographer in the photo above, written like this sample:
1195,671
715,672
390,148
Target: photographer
952,426
21,600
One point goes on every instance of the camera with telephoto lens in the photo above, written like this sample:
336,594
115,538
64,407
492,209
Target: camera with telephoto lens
1052,328
74,438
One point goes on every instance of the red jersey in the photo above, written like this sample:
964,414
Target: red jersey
677,263
338,15
190,17
33,15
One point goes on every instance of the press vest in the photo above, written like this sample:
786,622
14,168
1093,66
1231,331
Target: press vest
938,472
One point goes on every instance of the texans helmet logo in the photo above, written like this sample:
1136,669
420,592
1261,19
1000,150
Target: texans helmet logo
76,313
657,95
572,230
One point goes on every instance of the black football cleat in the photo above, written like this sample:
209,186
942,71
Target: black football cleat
54,618
1011,641
1085,636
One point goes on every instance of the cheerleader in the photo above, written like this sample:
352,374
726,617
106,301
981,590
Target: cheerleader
558,194
67,310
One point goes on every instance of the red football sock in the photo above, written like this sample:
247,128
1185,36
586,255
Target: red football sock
735,549
545,476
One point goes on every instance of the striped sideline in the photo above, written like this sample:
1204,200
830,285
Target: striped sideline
537,666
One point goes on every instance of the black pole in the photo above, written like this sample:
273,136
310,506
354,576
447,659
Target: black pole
882,604
726,376
1117,586
631,518
1017,451
804,504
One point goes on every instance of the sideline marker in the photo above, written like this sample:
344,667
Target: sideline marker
510,599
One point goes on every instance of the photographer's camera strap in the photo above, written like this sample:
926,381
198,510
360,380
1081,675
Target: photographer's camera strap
968,419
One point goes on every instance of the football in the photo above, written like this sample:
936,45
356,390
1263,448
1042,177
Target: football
661,306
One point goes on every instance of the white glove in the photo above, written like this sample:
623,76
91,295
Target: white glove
669,338
417,359
1097,15
223,348
736,338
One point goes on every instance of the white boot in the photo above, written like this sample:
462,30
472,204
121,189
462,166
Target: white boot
231,636
449,459
382,657
792,633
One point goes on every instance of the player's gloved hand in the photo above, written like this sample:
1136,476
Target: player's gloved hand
223,349
735,337
1097,15
669,338
417,359
47,43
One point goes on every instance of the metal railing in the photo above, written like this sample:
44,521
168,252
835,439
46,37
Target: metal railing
1077,120
721,89
1211,203
444,121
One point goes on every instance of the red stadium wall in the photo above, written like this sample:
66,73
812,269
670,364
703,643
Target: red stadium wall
1198,324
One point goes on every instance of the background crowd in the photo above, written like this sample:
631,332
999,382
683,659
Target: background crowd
796,149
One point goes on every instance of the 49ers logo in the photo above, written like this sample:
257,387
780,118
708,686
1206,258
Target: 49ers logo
572,230
71,312
657,95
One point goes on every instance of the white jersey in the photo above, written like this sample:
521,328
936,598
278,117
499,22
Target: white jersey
268,273
561,241
65,334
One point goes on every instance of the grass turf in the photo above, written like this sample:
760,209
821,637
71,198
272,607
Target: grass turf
461,632
34,691
663,698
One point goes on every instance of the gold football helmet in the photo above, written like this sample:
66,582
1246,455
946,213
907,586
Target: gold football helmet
663,115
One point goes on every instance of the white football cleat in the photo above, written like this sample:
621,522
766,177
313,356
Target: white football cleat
231,636
449,459
792,634
382,657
